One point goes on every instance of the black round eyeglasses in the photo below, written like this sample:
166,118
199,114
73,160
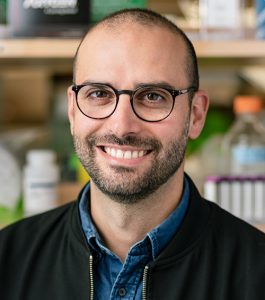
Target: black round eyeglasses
150,103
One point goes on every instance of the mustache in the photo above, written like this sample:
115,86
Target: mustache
128,140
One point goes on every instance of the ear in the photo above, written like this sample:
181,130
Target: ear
199,108
71,107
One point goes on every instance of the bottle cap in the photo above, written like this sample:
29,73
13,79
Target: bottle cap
40,156
247,104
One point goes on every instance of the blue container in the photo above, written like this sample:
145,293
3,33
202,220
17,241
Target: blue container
260,9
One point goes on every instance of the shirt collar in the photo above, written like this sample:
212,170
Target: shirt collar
159,237
162,234
88,227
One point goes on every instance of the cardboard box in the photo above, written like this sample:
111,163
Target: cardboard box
25,96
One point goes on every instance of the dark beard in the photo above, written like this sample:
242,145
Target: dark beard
126,191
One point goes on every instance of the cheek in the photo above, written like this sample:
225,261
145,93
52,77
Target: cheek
167,131
83,126
174,126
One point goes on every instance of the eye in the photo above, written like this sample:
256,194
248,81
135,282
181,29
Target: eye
154,96
98,94
152,99
92,93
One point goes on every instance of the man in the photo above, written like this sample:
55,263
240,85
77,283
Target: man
140,230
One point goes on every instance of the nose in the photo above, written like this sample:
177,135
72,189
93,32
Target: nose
124,121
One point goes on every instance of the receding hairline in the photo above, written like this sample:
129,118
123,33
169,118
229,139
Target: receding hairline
147,18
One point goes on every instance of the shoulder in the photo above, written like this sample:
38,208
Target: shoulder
36,227
208,216
230,229
238,245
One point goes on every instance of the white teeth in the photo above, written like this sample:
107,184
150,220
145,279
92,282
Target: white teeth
141,153
127,155
113,152
135,154
117,153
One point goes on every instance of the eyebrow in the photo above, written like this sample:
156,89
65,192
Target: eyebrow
159,84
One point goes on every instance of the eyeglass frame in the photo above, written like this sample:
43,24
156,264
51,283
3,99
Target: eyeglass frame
173,92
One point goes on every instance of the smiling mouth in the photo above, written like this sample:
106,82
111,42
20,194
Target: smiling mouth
125,154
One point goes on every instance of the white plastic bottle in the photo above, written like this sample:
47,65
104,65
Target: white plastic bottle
244,145
222,19
41,178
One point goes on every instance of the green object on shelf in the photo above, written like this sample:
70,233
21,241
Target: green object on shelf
8,216
3,11
101,8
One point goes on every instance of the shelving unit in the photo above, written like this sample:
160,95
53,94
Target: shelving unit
37,48
65,48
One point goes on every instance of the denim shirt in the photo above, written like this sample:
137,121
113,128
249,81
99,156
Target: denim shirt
117,280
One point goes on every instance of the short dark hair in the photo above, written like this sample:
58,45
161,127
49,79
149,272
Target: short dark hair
148,17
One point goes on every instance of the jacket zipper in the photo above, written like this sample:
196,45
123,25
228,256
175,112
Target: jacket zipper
144,292
91,279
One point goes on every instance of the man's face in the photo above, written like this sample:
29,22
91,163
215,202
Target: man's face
126,157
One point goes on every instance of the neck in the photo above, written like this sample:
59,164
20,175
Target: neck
123,225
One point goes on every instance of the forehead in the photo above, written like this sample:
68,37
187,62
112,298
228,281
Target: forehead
131,52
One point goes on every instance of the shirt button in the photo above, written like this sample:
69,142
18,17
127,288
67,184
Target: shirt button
122,292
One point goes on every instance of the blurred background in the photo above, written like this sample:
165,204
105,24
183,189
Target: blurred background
37,45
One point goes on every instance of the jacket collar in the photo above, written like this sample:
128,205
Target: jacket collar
194,225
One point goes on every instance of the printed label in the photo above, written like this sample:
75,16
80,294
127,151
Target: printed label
248,155
40,195
49,4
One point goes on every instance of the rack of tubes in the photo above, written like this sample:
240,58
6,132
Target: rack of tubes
243,196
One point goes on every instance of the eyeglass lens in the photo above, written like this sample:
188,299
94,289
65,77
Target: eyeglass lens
148,103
